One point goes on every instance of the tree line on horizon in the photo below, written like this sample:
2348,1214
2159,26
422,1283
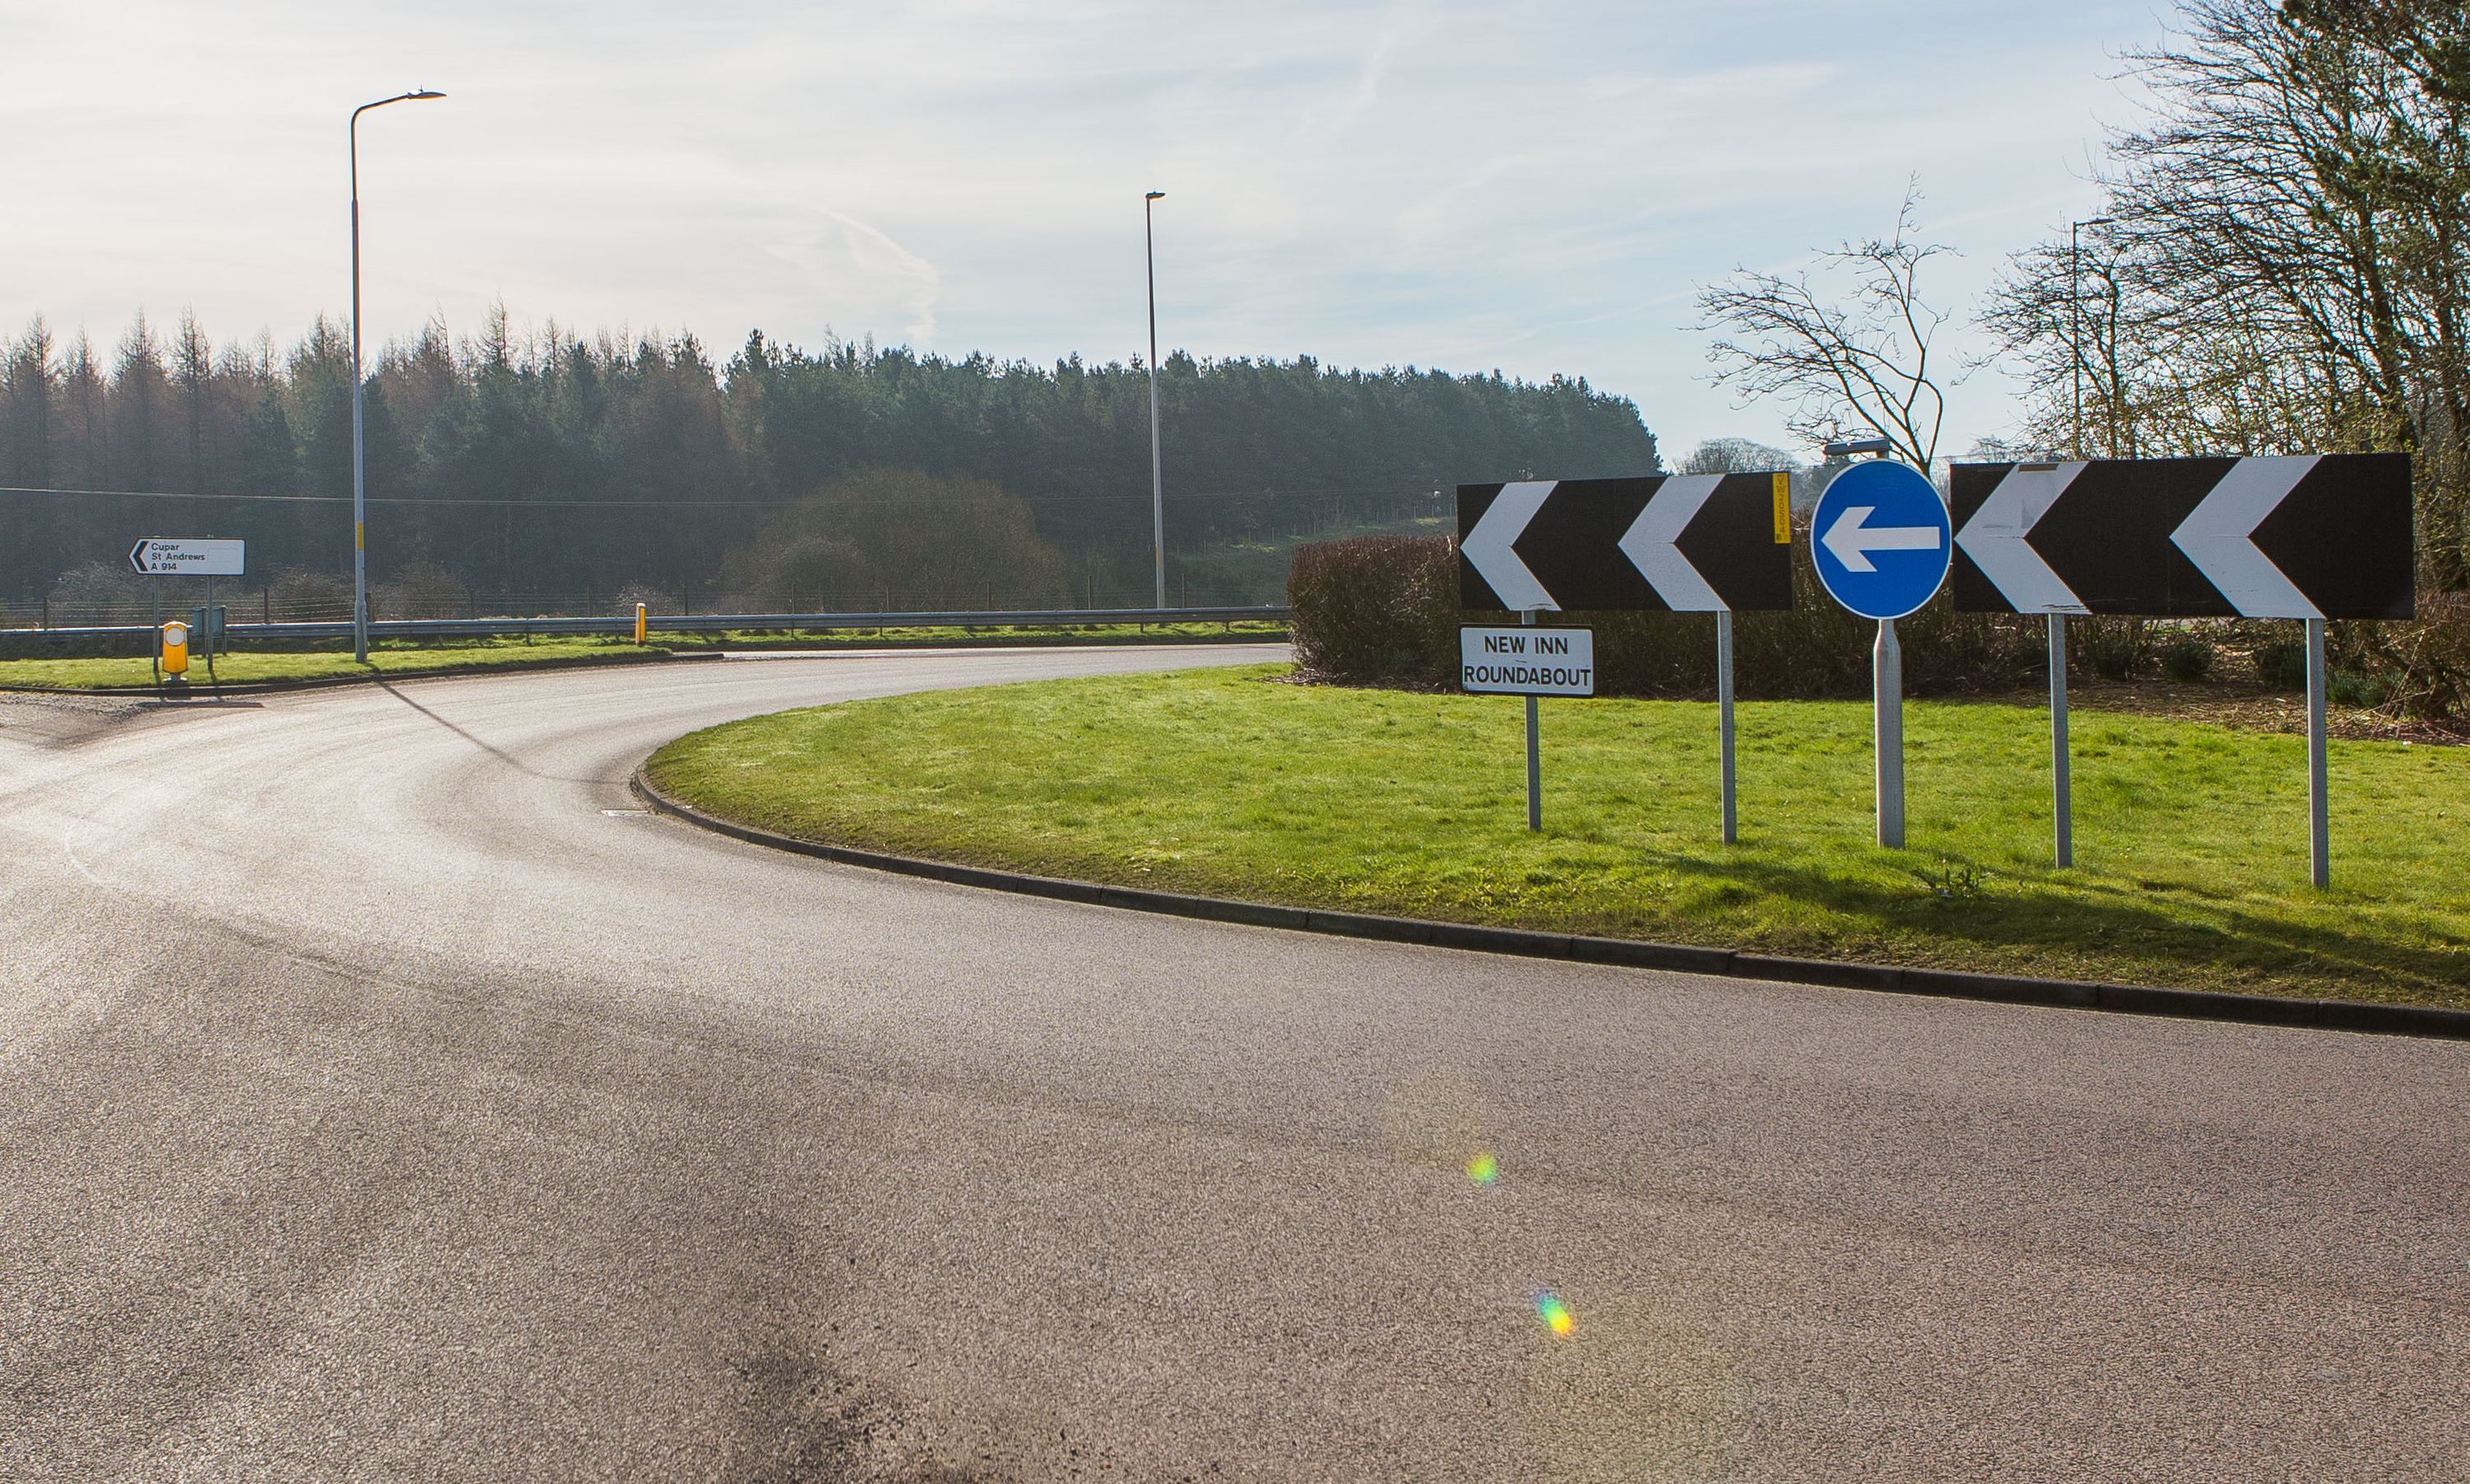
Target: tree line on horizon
550,464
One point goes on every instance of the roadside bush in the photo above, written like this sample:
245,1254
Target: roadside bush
2281,663
2424,662
420,590
657,603
902,539
99,593
2360,692
1383,611
2111,648
304,596
1376,610
2186,655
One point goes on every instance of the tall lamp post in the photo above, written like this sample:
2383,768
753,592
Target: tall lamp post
359,479
1157,470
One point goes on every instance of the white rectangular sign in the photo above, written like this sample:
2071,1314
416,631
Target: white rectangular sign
157,556
1527,661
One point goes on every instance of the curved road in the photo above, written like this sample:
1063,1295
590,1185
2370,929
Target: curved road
382,1097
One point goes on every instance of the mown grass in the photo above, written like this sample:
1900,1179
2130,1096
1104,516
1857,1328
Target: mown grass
2190,838
389,657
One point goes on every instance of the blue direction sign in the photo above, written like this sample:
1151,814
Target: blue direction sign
1882,540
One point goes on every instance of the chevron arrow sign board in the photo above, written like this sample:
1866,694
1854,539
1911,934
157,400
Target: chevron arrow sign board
2323,536
1673,542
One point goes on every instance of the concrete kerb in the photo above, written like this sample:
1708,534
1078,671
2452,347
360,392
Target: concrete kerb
1628,953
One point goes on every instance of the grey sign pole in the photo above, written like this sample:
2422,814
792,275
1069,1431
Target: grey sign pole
1724,718
1535,756
2319,845
1887,705
2062,806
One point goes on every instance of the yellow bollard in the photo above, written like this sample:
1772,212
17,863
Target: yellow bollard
641,622
175,648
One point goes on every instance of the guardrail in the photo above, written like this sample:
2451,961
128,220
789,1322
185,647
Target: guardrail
690,623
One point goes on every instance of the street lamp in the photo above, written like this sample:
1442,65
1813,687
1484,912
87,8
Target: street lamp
359,481
2075,320
1157,470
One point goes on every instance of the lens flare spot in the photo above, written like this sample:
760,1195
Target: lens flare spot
1556,1314
1483,1168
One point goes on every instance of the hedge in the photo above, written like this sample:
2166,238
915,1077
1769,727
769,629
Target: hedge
1384,610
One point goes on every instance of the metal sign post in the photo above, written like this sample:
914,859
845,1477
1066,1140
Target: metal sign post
1535,753
1887,733
1527,661
1724,721
2319,845
2311,537
1716,544
2062,809
1881,551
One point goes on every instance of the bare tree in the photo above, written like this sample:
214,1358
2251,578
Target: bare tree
2287,264
1846,341
1737,456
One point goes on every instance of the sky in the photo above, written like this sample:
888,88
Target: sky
1535,187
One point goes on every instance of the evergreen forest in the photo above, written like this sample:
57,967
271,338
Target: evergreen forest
551,471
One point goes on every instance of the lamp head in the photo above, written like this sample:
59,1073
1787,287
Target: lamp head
1154,195
422,92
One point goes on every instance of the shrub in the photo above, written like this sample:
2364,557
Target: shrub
2113,648
299,595
2186,655
2361,692
900,539
658,602
421,589
2424,662
2282,663
1383,610
1376,610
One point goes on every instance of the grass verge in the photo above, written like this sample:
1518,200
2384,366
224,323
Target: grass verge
258,667
1243,631
2191,837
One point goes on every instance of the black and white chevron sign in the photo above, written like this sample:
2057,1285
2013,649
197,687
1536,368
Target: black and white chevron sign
1677,542
2321,536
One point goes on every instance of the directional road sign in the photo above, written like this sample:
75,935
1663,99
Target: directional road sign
2323,536
1879,539
1527,661
1678,542
157,556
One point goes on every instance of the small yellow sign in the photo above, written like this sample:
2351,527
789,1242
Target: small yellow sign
1784,509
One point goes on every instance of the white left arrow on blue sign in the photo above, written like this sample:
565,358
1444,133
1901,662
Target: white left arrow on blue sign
1488,546
1852,539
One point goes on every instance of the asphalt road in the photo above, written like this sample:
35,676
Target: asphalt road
382,1097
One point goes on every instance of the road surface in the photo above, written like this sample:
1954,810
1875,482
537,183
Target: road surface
384,1096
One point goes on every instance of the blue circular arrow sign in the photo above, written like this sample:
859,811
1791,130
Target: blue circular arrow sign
1880,539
